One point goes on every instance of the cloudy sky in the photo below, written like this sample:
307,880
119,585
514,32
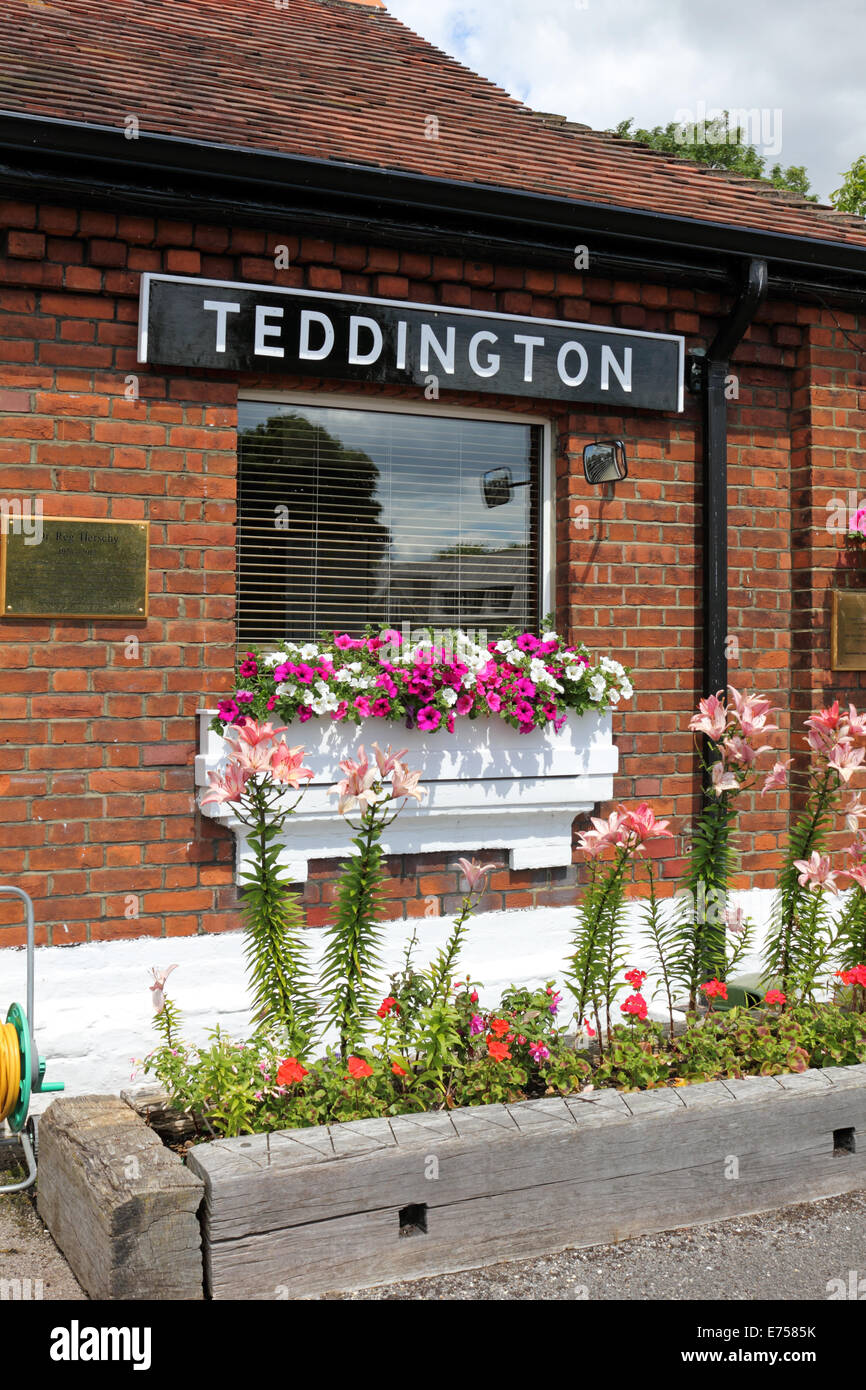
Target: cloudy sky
599,61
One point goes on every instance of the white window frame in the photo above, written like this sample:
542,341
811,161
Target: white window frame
547,502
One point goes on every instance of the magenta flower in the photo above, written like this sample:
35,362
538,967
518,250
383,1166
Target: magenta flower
538,1052
476,1026
362,705
428,717
249,667
228,711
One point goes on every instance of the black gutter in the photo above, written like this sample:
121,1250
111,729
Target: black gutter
45,155
709,374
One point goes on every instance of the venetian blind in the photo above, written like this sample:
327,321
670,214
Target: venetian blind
355,517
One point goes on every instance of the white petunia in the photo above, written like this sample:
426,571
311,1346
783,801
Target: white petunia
449,696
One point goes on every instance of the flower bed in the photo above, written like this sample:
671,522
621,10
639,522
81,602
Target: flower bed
428,1042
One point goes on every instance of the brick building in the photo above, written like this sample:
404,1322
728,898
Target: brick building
321,146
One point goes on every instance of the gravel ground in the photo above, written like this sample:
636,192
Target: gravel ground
788,1254
28,1252
791,1253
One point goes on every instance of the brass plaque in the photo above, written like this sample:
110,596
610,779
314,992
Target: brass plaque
848,630
59,567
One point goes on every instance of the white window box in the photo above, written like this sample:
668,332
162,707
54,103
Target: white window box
488,787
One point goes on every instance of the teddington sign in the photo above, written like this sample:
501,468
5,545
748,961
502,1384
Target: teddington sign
253,328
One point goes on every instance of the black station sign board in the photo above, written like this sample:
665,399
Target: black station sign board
254,328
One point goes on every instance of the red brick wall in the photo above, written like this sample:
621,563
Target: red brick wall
98,816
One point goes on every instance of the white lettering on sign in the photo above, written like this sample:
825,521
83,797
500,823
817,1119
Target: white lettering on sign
563,354
310,354
622,373
268,320
356,357
445,355
529,345
221,308
491,366
402,333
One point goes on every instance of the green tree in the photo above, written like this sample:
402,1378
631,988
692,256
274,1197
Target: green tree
851,197
721,147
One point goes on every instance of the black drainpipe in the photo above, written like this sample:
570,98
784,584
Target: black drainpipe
708,373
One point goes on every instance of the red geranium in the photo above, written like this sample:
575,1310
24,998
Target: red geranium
498,1050
398,1071
290,1071
358,1068
774,996
636,977
386,1006
499,1026
635,1004
712,988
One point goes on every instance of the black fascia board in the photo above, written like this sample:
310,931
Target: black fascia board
43,153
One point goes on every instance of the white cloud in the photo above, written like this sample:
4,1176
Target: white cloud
599,61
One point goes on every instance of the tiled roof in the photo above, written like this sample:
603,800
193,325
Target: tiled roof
334,79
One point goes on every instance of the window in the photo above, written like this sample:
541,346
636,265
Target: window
349,517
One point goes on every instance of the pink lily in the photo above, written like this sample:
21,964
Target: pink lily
475,874
387,761
405,783
735,920
857,874
777,780
856,722
711,719
253,734
854,812
644,825
723,779
845,758
158,986
751,712
739,750
228,786
815,872
285,765
825,720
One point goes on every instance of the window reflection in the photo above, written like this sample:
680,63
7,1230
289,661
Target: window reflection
350,517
